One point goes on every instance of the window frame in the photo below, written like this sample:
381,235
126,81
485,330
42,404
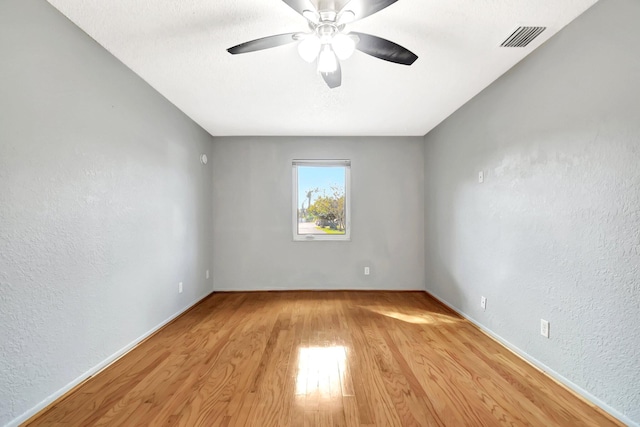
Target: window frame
347,200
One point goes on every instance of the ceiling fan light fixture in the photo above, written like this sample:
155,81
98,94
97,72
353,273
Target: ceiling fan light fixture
309,48
327,61
343,46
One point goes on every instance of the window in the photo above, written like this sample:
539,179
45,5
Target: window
321,199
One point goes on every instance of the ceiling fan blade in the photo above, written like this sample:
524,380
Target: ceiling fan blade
384,49
333,79
364,8
263,43
301,5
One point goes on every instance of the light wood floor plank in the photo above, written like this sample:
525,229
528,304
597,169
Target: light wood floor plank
321,359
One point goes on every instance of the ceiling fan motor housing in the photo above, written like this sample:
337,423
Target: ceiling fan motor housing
326,31
328,16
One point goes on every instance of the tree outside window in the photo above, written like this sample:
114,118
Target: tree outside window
320,194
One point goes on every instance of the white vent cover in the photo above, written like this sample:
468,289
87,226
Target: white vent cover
522,36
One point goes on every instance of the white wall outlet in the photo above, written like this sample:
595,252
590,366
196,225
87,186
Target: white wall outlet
180,287
207,274
481,177
483,303
367,271
544,328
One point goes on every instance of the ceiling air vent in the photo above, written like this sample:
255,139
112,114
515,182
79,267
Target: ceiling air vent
522,36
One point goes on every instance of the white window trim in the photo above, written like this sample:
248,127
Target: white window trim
347,202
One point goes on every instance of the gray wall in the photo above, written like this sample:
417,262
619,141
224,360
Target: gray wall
253,240
553,232
104,207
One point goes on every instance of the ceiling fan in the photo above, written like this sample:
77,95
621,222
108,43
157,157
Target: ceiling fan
328,43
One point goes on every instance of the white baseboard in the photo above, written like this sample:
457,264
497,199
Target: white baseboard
285,289
541,366
97,368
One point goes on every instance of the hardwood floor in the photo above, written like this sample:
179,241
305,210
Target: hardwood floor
321,359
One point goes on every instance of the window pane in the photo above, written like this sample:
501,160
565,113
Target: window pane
321,200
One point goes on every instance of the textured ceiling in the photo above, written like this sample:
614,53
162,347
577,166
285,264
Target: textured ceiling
179,48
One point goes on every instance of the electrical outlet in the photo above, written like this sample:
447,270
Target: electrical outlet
180,287
207,274
367,271
544,328
481,177
483,303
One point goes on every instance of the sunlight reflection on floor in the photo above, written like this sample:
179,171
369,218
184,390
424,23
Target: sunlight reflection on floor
321,371
418,318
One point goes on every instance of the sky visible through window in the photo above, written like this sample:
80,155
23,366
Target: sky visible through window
322,178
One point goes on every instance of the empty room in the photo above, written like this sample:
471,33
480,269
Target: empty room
320,213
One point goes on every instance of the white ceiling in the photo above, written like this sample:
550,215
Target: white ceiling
179,48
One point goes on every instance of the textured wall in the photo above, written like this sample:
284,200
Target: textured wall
253,238
104,206
554,231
